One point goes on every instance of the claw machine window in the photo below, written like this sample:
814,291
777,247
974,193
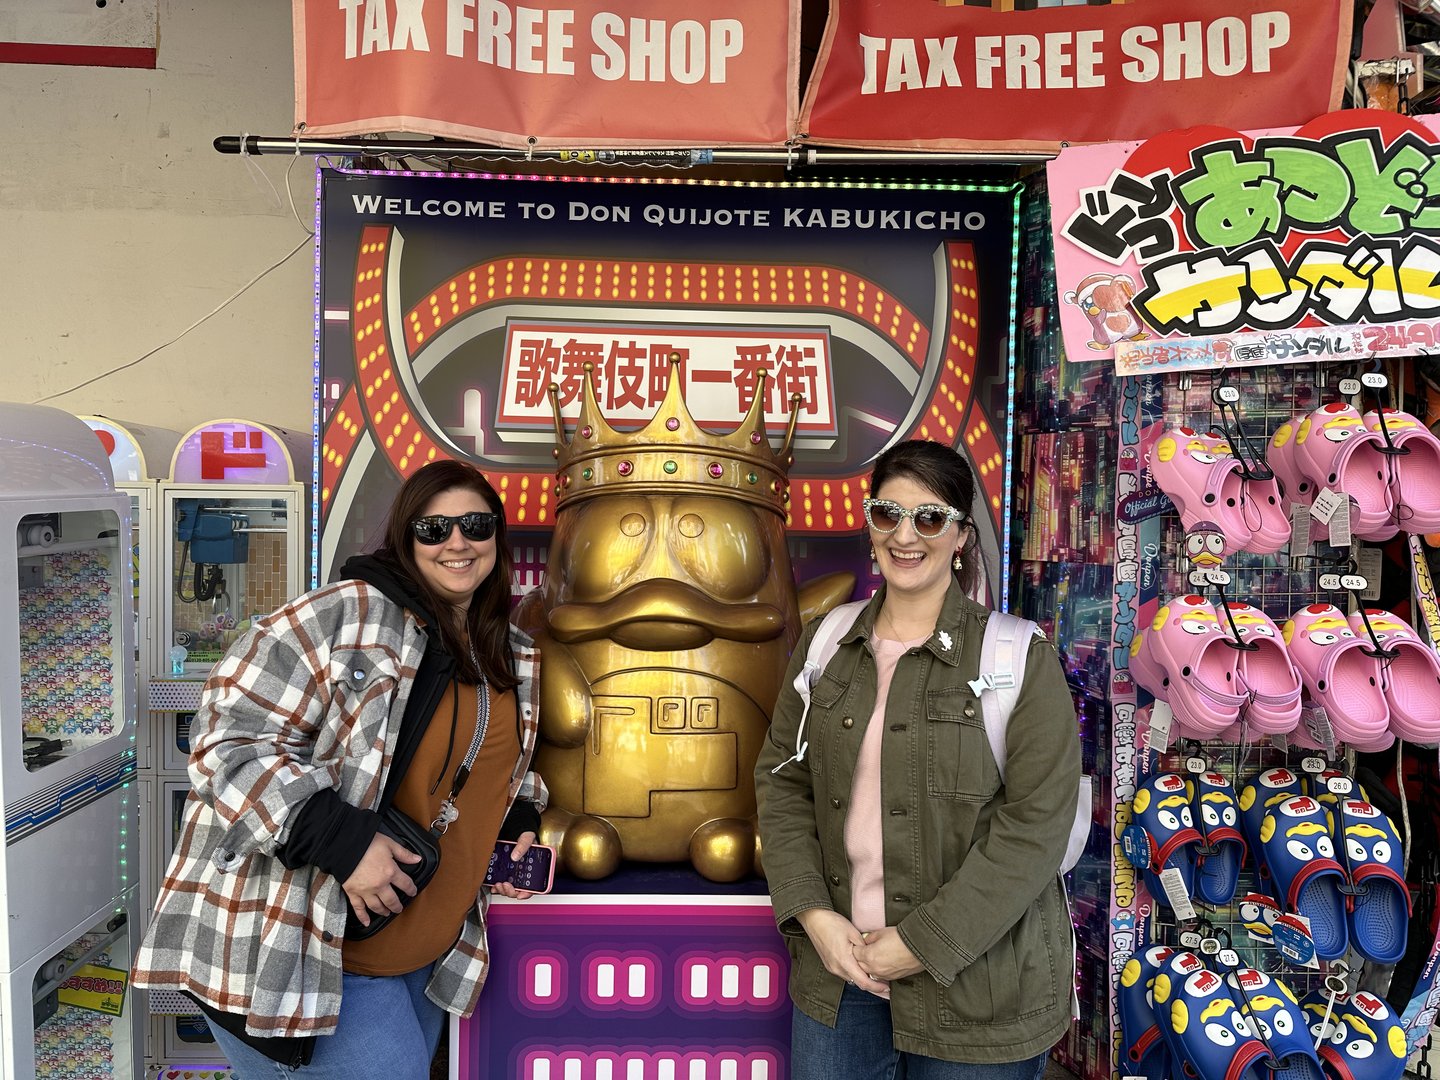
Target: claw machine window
235,526
70,571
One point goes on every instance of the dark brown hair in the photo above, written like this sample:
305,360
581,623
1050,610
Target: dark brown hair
487,622
944,471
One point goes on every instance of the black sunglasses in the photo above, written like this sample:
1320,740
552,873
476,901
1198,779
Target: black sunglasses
435,528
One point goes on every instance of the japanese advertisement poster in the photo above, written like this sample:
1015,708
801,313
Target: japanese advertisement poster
449,306
1207,247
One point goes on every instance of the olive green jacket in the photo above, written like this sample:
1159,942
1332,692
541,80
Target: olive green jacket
970,864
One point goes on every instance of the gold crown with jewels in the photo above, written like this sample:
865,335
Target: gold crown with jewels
671,455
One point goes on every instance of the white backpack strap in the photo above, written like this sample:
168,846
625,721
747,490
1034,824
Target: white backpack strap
1002,673
822,647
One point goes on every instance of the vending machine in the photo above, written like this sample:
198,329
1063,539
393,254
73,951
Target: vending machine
233,542
70,864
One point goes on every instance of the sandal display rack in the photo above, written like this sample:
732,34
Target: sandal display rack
1097,555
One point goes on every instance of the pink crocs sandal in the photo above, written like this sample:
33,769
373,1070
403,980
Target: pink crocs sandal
1148,675
1338,672
1264,511
1294,484
1411,680
1334,449
1202,480
1267,672
1200,658
1261,510
1415,475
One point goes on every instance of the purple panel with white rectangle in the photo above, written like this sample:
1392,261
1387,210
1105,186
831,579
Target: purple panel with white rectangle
631,987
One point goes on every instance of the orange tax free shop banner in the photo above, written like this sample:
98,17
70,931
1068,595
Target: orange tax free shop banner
582,73
918,73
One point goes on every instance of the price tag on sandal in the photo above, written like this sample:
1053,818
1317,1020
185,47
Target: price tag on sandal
1157,735
1292,938
1317,724
1340,785
1374,380
1313,765
1340,535
1135,844
1189,939
1299,527
1349,387
1174,885
1327,503
1196,765
1369,562
1228,958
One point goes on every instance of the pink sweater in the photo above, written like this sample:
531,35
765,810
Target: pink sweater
863,839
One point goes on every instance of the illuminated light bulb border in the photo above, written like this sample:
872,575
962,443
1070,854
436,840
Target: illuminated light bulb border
721,285
340,436
392,418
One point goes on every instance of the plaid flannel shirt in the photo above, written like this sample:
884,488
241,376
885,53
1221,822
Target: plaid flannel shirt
308,699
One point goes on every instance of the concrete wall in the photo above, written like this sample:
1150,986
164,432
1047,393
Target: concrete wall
121,226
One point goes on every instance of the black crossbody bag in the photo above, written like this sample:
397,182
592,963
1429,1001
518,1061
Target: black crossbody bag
409,833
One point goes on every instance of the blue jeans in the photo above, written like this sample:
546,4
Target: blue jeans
859,1047
388,1027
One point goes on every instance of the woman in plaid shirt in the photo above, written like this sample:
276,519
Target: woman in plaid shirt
402,683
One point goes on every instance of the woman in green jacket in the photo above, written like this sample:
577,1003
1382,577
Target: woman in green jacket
920,897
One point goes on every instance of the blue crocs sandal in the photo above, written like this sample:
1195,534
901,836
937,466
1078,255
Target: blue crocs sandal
1364,1039
1380,904
1275,1016
1300,852
1173,972
1161,814
1142,1041
1217,870
1262,794
1207,1027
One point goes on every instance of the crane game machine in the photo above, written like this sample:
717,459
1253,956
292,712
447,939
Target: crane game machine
139,455
234,526
69,870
